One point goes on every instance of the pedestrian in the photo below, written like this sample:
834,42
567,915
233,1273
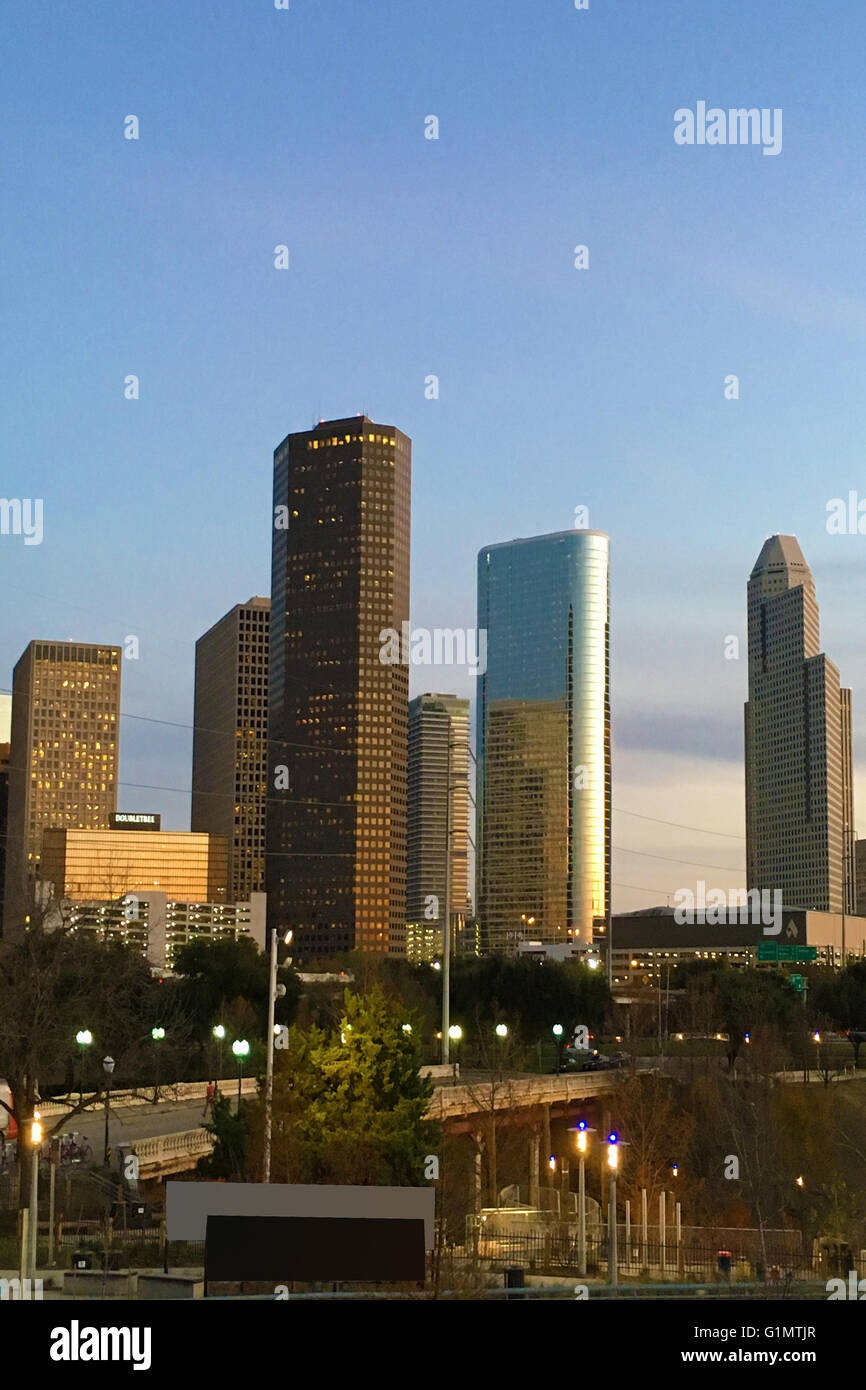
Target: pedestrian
208,1099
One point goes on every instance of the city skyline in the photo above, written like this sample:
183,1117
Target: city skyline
743,265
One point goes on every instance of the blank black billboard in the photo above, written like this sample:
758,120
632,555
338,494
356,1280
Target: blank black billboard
314,1249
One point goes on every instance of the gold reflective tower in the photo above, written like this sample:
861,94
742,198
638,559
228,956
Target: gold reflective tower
63,762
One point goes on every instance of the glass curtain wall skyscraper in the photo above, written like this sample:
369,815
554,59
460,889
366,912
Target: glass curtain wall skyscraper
543,740
799,782
438,823
338,714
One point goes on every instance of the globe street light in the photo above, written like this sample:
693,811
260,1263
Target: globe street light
84,1038
219,1033
557,1033
108,1068
241,1049
158,1034
501,1030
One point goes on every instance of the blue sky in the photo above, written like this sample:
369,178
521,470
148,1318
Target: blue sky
411,257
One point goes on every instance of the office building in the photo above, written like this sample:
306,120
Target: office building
105,865
543,740
64,751
157,926
337,723
229,754
437,823
799,793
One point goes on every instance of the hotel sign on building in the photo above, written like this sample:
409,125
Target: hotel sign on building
133,820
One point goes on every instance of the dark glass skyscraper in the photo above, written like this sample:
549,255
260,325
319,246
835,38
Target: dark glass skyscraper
336,870
229,749
543,746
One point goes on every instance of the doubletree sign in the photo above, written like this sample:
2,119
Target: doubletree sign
773,951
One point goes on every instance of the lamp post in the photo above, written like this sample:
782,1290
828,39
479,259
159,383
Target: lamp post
269,1065
557,1033
613,1164
84,1038
108,1068
454,1034
241,1048
582,1130
219,1033
158,1034
36,1144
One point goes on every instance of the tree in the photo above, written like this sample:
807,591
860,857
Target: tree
215,974
528,996
349,1106
54,984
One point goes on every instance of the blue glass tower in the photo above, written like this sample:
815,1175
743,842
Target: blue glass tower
543,740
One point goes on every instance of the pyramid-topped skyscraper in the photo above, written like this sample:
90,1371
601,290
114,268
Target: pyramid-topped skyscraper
799,796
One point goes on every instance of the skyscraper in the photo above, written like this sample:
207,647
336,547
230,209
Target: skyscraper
63,760
543,746
229,751
336,872
438,773
799,793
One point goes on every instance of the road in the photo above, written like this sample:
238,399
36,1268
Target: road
131,1122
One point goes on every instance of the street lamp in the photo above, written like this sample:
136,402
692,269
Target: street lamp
613,1165
219,1033
273,990
241,1049
108,1068
501,1030
158,1035
557,1033
36,1144
583,1130
406,1028
84,1038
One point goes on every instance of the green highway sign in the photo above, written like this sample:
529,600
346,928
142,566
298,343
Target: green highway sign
774,951
797,983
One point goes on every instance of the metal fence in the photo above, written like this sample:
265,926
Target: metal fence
553,1250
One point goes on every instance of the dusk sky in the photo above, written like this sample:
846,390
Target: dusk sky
559,387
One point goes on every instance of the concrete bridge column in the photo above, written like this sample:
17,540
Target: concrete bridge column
478,1142
534,1164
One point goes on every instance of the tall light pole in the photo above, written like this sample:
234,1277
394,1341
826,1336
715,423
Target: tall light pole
582,1130
241,1048
108,1068
36,1145
613,1164
269,1065
446,928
